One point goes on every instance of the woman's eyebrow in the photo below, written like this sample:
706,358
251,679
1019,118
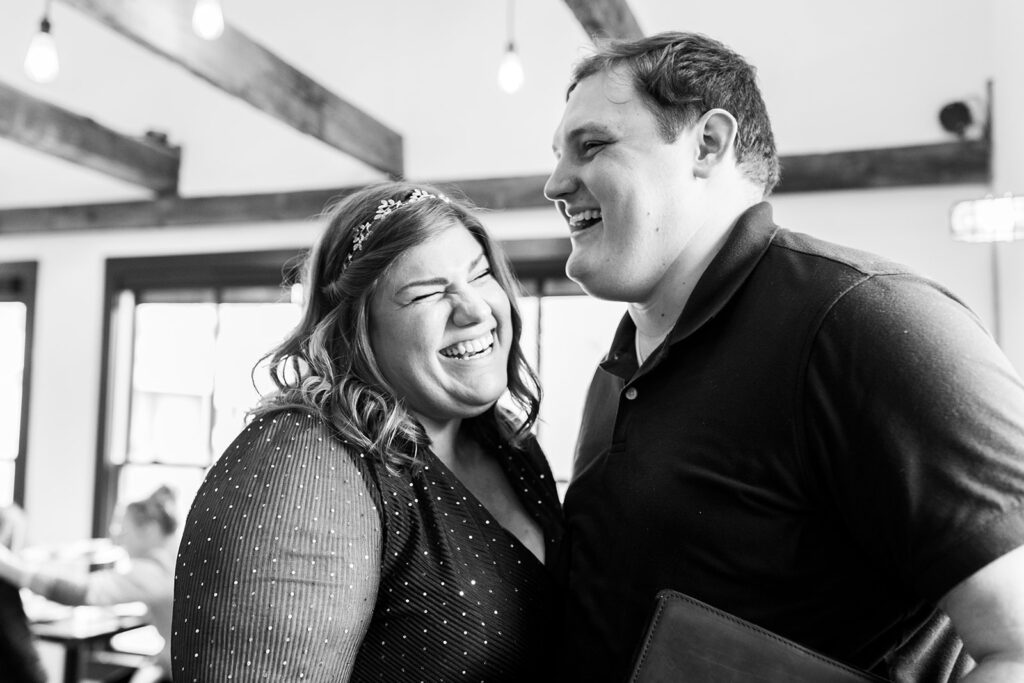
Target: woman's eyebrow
439,281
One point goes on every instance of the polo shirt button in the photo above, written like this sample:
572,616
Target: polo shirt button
630,393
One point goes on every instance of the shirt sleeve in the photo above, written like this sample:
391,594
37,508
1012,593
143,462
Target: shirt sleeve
279,563
917,432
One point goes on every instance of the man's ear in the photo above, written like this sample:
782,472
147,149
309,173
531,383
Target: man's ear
716,131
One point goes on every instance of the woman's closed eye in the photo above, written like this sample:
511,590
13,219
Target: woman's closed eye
427,295
485,273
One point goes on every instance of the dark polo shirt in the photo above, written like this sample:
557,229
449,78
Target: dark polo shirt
825,445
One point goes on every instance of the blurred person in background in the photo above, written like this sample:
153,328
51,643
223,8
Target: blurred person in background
147,533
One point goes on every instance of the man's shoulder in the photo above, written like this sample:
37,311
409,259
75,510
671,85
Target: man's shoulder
801,247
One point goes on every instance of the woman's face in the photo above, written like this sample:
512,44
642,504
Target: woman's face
441,328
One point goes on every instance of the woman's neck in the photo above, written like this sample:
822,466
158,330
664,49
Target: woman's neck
445,440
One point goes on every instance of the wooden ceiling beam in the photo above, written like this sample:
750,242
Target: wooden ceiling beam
604,19
958,162
966,161
245,69
45,127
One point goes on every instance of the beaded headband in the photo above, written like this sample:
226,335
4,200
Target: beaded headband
384,209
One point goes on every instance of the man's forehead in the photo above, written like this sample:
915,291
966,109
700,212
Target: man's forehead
595,105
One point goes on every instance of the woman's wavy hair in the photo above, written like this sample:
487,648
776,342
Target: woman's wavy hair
327,365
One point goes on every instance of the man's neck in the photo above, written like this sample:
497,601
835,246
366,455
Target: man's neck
655,317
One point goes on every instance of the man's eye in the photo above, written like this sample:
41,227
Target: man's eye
591,146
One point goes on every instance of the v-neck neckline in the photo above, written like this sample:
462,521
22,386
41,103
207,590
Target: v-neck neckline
488,515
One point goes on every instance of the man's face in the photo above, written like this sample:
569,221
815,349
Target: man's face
625,192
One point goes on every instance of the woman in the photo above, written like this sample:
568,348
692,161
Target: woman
381,518
147,534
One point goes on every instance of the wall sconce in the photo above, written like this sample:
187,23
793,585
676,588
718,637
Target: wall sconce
991,219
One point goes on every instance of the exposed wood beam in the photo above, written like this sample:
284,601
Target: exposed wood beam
937,164
48,128
603,19
491,193
942,163
243,68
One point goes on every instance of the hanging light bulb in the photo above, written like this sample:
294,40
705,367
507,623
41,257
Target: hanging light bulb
510,73
41,61
208,19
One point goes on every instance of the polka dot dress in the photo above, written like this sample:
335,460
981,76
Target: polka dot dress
303,560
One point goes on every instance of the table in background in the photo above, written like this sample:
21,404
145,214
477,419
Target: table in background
82,630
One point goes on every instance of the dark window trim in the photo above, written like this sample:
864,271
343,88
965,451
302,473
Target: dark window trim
18,283
531,259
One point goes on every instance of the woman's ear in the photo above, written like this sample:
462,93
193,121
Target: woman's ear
717,131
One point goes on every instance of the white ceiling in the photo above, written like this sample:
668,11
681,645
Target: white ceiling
836,75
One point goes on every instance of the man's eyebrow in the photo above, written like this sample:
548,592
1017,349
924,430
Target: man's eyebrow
438,281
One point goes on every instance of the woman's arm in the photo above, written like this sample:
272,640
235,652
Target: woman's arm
279,562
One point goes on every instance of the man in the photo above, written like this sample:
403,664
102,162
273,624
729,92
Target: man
806,436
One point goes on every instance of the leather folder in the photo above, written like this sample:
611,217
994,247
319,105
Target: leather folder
690,641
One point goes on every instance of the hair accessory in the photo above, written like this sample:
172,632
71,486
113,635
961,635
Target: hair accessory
384,209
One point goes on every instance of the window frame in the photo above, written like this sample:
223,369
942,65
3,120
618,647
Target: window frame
18,283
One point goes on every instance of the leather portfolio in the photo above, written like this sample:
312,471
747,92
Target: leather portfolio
690,641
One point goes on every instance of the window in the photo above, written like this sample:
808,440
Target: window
17,295
566,334
183,334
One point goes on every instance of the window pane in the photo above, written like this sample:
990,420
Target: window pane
12,351
575,334
172,383
246,332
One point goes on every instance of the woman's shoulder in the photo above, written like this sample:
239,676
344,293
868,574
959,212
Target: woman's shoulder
285,468
280,436
286,451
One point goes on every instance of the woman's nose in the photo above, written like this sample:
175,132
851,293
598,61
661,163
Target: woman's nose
470,308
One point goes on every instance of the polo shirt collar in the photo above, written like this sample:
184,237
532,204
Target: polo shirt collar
748,240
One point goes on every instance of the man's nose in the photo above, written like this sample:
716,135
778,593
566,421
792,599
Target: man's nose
561,182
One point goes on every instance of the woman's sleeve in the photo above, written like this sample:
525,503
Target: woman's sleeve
279,562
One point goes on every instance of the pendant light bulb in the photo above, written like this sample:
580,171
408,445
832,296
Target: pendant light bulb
510,73
208,19
41,61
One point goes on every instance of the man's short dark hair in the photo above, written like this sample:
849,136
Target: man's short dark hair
680,76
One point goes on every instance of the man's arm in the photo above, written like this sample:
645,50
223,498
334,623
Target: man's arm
987,610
